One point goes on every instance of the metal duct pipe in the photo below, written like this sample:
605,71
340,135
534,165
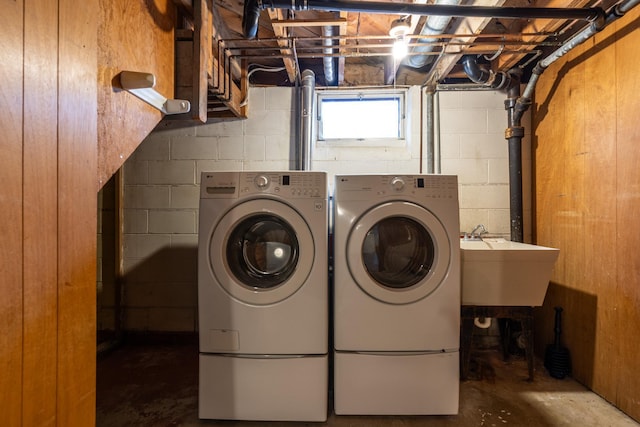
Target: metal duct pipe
307,108
252,10
430,143
434,26
329,69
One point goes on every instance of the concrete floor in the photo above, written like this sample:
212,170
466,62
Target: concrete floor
157,385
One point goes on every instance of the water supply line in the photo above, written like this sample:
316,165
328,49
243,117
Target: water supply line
252,8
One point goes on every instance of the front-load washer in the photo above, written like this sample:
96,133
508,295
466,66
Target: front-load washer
396,296
263,296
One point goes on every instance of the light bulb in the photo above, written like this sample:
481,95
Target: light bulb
399,29
400,48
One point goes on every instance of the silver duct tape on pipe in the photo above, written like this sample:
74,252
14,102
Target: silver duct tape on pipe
307,113
327,42
434,26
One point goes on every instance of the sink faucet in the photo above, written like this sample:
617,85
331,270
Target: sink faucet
479,229
476,233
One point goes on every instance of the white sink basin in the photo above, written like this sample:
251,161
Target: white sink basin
501,272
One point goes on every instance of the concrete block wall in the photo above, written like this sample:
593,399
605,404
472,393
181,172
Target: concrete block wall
472,146
162,186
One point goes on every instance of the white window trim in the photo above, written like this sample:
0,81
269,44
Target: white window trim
365,142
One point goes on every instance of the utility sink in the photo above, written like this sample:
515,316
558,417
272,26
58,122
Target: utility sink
501,272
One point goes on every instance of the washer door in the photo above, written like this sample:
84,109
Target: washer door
398,252
261,252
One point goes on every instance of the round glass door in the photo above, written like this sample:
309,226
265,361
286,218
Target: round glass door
398,252
261,251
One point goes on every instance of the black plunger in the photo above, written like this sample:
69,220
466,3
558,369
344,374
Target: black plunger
557,359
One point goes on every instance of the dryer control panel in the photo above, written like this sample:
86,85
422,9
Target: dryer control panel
369,187
292,184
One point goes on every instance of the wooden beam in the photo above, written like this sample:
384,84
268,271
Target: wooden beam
283,42
202,51
237,95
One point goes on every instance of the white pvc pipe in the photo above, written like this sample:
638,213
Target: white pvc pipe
483,323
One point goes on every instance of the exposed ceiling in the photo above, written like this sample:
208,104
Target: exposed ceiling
355,47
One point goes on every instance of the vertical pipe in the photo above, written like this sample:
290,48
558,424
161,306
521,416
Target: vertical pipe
430,131
327,42
514,134
307,109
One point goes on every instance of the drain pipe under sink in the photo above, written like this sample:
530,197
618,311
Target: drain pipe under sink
482,322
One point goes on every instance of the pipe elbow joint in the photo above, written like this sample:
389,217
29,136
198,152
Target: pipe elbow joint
250,18
477,74
599,21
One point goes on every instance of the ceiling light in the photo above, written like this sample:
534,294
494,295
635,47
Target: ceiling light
399,30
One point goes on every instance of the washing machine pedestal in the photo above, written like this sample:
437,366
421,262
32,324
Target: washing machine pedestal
396,384
263,388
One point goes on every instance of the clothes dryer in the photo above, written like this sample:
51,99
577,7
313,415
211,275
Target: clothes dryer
263,296
396,295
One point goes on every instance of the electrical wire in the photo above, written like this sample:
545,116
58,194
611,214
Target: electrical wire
266,68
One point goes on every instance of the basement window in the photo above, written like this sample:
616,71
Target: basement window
361,117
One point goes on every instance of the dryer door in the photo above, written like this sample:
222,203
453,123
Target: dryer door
261,251
398,252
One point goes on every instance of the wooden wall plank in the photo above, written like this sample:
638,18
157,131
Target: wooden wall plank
587,204
77,212
628,211
11,99
40,212
134,35
600,214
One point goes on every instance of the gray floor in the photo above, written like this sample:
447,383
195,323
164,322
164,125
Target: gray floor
156,385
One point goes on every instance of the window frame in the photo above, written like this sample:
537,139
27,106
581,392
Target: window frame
364,94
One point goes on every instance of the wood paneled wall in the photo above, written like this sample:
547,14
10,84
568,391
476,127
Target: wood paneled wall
54,103
48,173
587,203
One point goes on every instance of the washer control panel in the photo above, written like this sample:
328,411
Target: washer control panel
293,184
370,187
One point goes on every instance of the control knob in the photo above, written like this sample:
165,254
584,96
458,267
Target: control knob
261,181
397,184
